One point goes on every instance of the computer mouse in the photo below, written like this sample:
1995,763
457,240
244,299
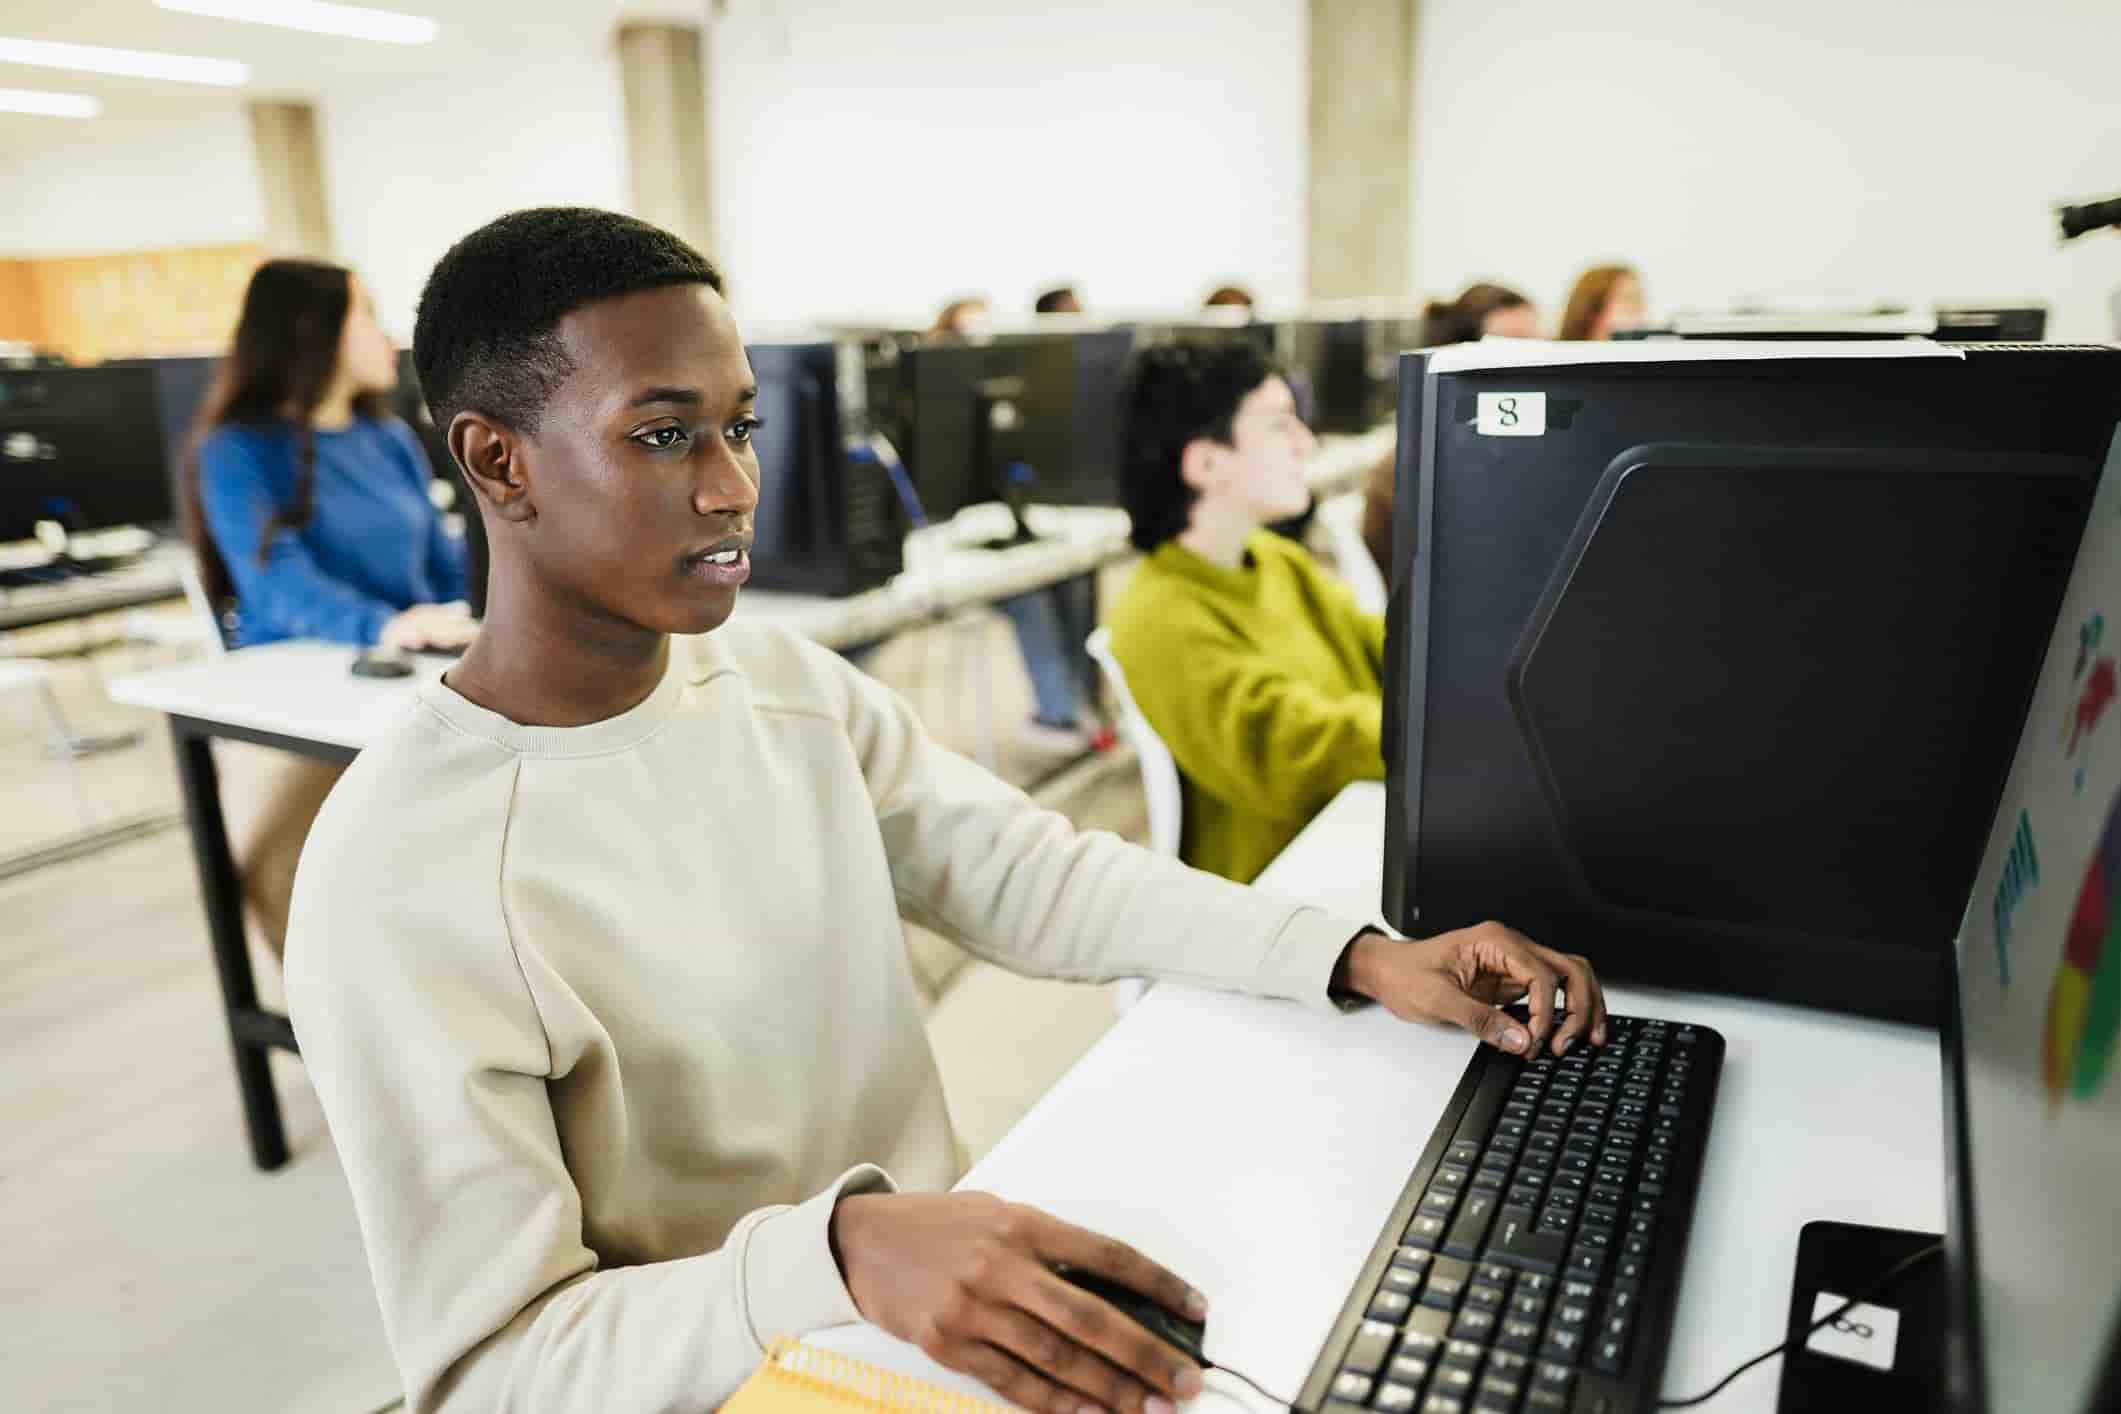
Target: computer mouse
1188,1336
381,665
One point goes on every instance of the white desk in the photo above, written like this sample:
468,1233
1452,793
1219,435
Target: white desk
156,576
1256,1147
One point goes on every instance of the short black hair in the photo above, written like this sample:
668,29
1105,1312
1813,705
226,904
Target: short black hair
486,337
1051,301
1177,392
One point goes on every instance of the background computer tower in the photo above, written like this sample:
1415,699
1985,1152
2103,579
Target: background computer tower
827,523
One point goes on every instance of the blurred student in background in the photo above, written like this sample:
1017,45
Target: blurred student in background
1606,300
1061,299
307,509
1229,297
1481,311
1252,662
1051,624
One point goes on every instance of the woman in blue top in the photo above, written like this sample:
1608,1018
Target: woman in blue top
306,501
306,505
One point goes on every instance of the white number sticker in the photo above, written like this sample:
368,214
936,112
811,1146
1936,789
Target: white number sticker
1511,415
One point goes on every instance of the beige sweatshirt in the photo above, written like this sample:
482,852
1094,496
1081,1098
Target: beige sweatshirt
590,1008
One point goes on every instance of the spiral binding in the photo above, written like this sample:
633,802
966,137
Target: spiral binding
866,1386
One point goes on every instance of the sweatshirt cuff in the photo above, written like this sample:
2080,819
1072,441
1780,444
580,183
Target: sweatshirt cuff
791,1284
1299,963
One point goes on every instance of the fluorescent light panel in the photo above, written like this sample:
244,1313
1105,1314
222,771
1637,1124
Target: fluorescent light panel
351,21
126,63
48,105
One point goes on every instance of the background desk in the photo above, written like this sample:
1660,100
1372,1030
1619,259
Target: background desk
156,576
1255,1148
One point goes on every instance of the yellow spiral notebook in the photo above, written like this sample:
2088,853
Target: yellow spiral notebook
801,1379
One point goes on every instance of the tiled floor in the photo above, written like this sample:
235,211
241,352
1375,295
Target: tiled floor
147,1265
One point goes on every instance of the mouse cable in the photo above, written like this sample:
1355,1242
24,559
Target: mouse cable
1912,1259
1256,1385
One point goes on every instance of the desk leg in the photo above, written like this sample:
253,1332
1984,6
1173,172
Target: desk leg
223,894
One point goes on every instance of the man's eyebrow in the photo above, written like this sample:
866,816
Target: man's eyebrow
667,395
748,394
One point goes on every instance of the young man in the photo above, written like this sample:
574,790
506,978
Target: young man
1253,664
596,959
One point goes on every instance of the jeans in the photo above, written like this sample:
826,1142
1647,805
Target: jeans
1052,625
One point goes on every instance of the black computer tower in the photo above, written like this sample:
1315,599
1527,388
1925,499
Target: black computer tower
1714,676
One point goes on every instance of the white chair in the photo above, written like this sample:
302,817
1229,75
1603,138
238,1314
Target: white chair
1341,518
1159,781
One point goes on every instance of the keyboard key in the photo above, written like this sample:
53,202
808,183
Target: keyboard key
1467,1354
1446,1283
1366,1353
1533,1284
1352,1387
1337,1406
1464,1153
1527,1308
1424,1332
1401,1279
1395,1399
1490,1180
1413,1258
1450,1177
1630,1269
1518,1335
1562,1346
1443,1404
1590,1238
1587,1263
1609,1356
1544,1401
1474,1324
1497,1396
1516,1244
1495,1274
1568,1182
1597,1214
1454,1380
1573,1313
1686,1036
1425,1231
1390,1306
1539,1161
1407,1369
1470,1230
1520,1110
1505,1144
1515,1128
1554,1375
1621,1303
1656,1173
1481,1296
1647,1189
1440,1202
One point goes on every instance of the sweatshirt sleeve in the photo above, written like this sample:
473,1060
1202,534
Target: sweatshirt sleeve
287,592
416,1013
1018,885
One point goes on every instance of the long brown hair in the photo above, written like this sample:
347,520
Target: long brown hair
1459,321
279,367
1592,293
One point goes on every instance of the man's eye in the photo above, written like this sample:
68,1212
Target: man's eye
743,429
661,438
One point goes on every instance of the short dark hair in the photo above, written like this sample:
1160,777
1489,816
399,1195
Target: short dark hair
1055,300
486,337
1177,392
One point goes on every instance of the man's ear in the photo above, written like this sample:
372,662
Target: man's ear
1197,464
491,454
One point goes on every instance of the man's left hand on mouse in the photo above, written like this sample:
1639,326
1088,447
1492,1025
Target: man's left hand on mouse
1464,978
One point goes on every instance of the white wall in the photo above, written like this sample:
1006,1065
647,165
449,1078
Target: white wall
413,166
129,183
1769,147
884,157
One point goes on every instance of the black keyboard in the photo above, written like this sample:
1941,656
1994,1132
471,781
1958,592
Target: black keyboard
1533,1261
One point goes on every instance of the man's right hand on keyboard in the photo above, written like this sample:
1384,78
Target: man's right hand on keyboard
1464,978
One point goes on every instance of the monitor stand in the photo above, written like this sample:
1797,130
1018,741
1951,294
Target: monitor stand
1023,534
1845,1260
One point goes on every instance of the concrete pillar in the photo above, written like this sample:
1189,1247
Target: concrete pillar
1361,147
663,71
283,137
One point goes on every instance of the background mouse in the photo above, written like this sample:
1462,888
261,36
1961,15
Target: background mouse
1168,1326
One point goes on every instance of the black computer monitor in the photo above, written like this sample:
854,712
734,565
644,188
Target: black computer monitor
1709,666
986,422
2033,1054
828,519
181,386
83,447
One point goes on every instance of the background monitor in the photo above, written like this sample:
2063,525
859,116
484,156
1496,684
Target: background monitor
2033,1060
84,447
972,419
827,523
1714,675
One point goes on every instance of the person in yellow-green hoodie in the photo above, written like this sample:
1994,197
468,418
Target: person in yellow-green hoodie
1252,662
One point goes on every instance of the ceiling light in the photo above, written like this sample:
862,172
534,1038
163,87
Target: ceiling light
352,21
128,63
48,105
